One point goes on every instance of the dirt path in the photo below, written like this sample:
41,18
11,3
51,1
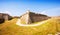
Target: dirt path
21,24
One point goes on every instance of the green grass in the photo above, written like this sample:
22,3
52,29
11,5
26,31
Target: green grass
10,28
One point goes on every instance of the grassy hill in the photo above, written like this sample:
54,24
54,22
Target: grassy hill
52,26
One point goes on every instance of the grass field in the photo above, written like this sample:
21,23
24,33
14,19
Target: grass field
52,26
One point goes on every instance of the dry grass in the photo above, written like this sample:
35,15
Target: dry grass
50,27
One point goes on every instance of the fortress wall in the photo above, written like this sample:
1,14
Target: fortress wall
29,18
23,18
4,17
37,17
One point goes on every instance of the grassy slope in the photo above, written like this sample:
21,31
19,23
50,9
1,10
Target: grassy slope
10,28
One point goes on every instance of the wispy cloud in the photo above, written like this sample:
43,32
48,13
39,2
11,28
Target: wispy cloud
52,12
43,12
7,12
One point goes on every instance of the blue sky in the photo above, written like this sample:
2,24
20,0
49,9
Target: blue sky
19,7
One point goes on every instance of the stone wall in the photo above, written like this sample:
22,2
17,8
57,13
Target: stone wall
4,17
31,17
37,17
16,17
25,19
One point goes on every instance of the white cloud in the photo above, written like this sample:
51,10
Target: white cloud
43,12
7,12
52,12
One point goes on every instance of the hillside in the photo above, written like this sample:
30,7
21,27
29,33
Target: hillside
52,26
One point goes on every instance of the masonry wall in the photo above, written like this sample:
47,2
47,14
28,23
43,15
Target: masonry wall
29,18
38,17
7,17
4,17
25,19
